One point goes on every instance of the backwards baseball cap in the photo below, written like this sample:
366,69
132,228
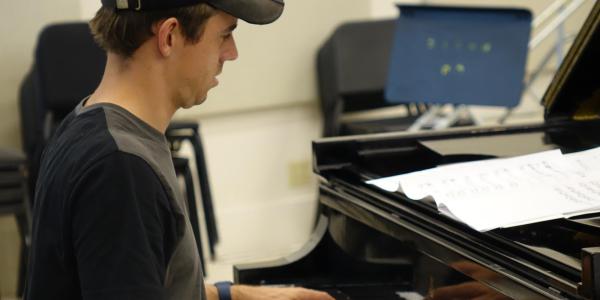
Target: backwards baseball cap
251,11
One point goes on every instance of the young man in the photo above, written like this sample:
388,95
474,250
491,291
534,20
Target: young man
109,221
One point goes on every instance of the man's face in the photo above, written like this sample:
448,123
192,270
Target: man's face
200,63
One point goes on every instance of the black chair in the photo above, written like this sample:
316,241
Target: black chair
177,133
182,166
352,68
14,201
68,66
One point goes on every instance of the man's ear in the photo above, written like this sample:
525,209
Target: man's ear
167,35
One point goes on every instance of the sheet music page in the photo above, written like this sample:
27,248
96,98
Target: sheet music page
495,193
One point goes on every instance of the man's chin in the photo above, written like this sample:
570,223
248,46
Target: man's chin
190,104
200,101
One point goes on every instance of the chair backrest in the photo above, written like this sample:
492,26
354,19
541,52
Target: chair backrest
68,65
352,68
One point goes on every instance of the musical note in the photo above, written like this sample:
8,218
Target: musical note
486,47
445,69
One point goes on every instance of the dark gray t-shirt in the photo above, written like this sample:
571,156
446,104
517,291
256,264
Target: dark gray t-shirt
109,219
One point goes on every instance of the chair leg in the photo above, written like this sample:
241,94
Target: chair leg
23,224
182,169
207,205
193,212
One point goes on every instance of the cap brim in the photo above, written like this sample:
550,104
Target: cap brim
251,11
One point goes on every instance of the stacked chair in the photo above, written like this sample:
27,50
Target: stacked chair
178,133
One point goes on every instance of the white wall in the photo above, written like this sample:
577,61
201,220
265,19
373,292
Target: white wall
264,204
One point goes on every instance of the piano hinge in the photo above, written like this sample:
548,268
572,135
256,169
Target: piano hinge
590,273
589,109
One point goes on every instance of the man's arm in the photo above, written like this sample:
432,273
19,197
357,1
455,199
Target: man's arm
246,292
118,226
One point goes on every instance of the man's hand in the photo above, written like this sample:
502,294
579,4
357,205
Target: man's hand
466,290
246,292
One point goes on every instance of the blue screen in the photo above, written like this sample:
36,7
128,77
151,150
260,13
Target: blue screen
458,56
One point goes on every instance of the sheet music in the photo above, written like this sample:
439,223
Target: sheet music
495,193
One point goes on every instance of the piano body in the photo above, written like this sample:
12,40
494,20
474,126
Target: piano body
373,244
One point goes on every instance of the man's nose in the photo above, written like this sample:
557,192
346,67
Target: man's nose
231,52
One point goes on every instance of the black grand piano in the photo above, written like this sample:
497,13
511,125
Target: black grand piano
373,244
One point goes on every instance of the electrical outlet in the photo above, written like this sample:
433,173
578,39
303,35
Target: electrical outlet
299,173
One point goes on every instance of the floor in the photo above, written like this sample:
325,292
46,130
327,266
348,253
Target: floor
9,252
270,233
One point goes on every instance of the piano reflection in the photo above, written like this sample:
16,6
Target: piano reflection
373,244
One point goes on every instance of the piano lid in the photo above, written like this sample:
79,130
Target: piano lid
574,93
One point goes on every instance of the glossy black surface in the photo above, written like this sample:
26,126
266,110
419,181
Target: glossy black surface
574,93
543,256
